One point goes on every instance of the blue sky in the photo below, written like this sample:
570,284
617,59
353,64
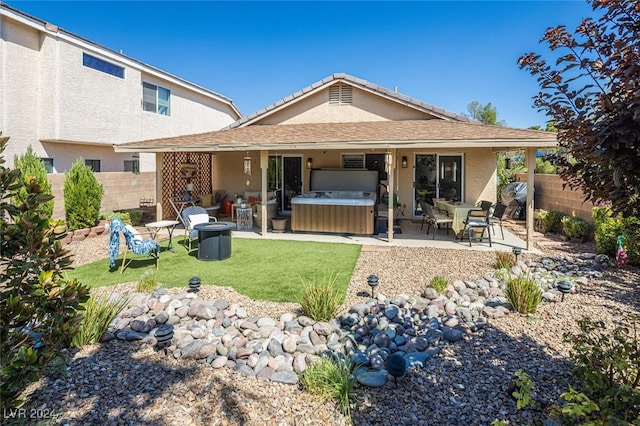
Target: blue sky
443,53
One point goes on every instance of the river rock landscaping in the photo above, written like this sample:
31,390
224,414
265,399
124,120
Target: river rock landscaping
463,382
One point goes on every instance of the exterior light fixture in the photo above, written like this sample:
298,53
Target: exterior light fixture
516,251
194,284
507,162
309,163
164,334
405,162
564,287
372,281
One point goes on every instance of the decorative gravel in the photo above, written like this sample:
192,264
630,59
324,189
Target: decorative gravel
122,383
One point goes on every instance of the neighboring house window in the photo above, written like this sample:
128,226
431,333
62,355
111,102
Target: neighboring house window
102,65
132,166
156,99
48,164
340,94
93,164
353,161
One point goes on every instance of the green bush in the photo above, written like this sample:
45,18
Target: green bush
99,313
575,227
321,300
607,229
32,168
39,309
545,167
522,393
148,282
505,260
606,364
82,196
439,284
524,294
123,216
551,220
332,378
135,215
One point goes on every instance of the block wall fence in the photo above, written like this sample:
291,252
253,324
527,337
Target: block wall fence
549,195
122,190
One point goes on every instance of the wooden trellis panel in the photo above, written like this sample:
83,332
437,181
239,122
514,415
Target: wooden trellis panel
174,185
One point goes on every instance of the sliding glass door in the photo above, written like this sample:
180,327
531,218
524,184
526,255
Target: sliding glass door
284,175
437,176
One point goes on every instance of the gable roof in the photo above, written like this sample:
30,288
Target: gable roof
352,81
432,134
83,43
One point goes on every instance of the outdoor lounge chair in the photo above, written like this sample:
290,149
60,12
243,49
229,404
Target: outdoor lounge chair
497,216
192,216
477,220
134,242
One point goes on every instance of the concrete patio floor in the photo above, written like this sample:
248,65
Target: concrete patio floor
411,236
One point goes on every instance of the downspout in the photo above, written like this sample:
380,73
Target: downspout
530,156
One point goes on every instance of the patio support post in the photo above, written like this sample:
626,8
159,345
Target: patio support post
530,157
159,167
264,163
391,166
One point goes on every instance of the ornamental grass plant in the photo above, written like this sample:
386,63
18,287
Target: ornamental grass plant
524,294
505,260
332,378
99,312
320,300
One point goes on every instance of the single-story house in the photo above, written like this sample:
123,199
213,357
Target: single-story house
344,123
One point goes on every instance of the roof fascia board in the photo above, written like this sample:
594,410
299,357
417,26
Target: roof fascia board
105,52
312,146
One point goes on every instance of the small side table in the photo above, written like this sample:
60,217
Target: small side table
155,227
245,218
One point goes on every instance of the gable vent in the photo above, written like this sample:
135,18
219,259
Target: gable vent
340,94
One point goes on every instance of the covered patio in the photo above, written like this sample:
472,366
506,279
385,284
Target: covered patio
420,152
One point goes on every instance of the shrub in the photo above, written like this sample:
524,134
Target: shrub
82,196
575,227
505,260
551,220
332,378
99,313
123,216
607,229
524,294
522,393
320,301
439,284
135,215
148,282
606,363
39,310
32,167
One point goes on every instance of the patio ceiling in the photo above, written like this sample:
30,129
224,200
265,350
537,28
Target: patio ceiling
352,135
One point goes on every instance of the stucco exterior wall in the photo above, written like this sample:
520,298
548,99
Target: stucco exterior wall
365,107
48,94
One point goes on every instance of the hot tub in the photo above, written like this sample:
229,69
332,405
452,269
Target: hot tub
346,212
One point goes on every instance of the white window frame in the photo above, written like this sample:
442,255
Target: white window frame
156,103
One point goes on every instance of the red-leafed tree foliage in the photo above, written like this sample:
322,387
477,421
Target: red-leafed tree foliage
592,92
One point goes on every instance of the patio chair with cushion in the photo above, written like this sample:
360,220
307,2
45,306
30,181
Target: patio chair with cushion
134,242
432,218
497,216
477,220
486,205
192,216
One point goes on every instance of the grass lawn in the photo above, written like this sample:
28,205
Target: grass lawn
261,269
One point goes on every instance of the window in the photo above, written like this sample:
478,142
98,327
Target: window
156,99
93,164
129,165
353,161
48,164
102,65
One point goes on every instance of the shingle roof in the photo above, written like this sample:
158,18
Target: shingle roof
392,134
356,82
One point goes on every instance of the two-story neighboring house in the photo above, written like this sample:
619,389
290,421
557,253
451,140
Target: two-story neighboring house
69,97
